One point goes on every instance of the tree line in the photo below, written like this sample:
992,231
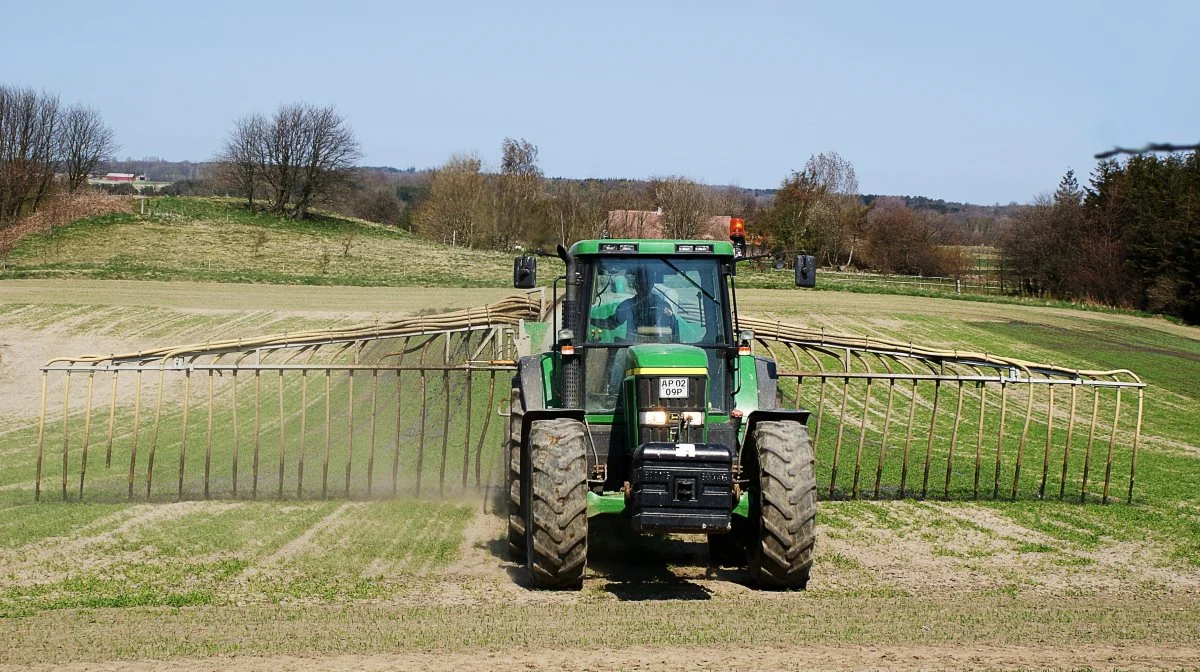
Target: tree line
45,147
817,209
303,156
467,204
1130,239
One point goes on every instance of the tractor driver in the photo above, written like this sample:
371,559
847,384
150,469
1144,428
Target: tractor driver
648,315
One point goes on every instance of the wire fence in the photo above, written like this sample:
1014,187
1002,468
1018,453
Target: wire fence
971,285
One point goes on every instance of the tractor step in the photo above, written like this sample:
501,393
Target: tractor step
682,487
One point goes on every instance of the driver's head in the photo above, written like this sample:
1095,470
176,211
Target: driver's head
647,277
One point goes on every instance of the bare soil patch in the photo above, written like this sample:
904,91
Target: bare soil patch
983,549
23,352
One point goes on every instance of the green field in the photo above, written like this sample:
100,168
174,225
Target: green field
218,240
345,584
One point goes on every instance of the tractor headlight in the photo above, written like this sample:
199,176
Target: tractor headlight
694,418
653,418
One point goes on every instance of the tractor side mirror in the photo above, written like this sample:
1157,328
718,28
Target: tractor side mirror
806,270
525,272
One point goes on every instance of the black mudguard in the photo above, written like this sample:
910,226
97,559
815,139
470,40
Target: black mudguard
797,414
529,381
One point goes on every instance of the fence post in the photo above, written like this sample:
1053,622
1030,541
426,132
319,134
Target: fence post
37,482
1000,435
937,388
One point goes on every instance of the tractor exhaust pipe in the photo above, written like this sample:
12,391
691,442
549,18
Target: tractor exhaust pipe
570,362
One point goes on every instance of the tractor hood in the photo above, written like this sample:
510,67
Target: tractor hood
666,358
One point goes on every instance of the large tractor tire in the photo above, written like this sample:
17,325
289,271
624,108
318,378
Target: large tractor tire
556,491
783,509
516,517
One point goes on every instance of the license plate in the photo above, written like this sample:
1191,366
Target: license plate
672,388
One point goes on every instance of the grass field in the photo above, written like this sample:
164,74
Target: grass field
218,240
353,584
215,240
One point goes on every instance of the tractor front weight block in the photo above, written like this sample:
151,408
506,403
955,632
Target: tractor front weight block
682,487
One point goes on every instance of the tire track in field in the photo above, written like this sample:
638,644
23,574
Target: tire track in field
299,545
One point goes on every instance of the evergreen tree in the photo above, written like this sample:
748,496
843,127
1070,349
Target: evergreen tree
1068,190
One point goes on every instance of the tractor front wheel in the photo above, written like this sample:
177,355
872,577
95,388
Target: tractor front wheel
783,509
555,490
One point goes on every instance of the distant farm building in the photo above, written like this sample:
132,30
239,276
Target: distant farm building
136,181
117,178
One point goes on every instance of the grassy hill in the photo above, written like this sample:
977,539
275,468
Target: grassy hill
218,240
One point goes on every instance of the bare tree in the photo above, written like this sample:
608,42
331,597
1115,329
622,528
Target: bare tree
578,210
282,149
917,242
84,142
330,151
29,143
457,205
686,206
519,160
241,162
789,220
629,210
300,157
519,193
564,208
837,214
377,204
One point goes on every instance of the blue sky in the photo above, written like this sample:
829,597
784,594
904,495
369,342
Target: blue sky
985,102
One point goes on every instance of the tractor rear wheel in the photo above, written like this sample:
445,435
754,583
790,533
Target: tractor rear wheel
556,492
783,509
516,517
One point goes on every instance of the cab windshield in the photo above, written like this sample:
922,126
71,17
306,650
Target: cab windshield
649,300
652,300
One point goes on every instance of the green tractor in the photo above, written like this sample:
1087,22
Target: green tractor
650,406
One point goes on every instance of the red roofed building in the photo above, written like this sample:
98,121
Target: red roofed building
123,177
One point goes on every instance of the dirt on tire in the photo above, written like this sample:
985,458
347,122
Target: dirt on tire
783,513
557,525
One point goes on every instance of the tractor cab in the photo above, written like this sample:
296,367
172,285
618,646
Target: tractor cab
641,304
647,405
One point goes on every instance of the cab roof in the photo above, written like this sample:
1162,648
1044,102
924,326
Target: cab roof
653,247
